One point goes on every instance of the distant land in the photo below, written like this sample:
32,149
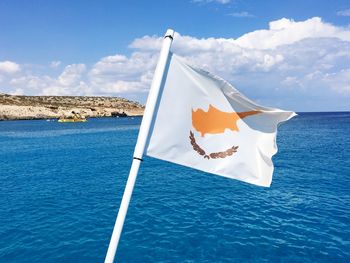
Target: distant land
15,107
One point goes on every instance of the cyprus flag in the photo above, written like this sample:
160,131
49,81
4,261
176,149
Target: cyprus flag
203,122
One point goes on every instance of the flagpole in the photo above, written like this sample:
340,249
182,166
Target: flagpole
140,144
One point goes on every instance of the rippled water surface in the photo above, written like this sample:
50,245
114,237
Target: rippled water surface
61,185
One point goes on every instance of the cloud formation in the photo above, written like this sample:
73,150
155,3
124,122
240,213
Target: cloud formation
301,65
209,1
55,63
241,14
9,67
69,82
345,12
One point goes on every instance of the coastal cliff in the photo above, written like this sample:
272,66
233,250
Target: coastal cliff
13,107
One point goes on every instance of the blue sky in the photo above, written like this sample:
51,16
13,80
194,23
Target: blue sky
75,47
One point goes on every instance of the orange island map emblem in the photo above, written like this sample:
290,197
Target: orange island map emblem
215,121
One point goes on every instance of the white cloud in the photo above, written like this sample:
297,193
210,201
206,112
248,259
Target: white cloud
119,74
18,92
210,1
9,67
345,12
151,43
339,81
288,61
281,32
71,74
299,65
241,14
287,31
55,63
69,82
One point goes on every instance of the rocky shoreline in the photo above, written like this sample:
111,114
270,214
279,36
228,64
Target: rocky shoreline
13,107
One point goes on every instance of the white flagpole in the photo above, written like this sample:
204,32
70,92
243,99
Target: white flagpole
140,144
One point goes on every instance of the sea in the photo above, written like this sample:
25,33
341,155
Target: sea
61,185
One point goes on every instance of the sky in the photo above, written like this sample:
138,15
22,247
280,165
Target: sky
292,54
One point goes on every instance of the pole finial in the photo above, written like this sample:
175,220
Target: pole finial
169,33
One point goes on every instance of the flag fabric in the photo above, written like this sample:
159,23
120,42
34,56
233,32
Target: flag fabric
203,122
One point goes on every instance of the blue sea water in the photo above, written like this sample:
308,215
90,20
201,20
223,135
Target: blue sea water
61,186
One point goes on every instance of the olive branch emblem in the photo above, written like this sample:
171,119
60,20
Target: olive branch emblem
214,155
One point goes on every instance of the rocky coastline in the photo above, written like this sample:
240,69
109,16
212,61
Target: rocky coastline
14,107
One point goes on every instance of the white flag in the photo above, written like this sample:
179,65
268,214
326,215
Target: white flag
203,122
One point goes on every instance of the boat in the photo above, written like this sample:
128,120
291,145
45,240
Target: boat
71,120
76,117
